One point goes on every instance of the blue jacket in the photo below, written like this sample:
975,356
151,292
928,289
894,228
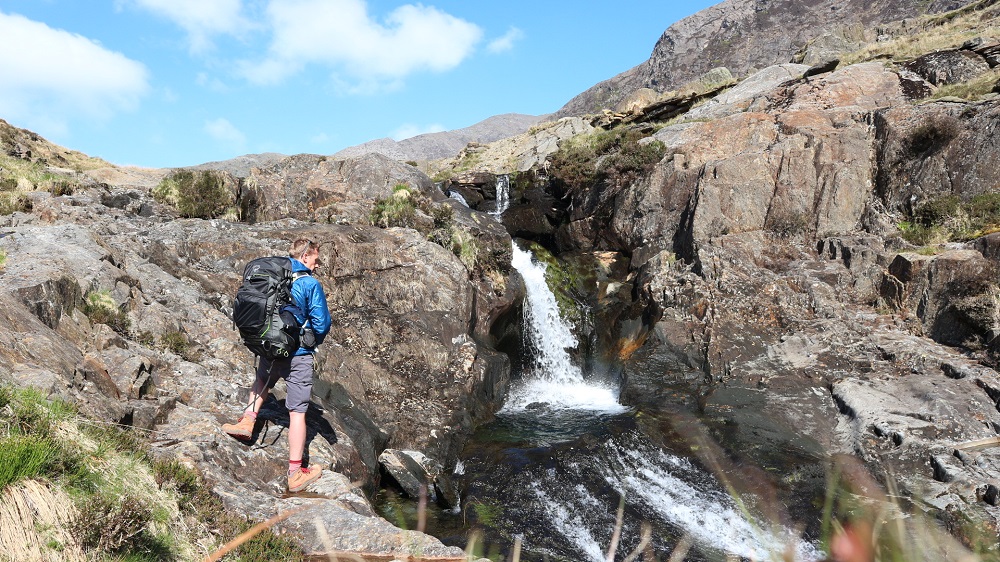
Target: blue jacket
309,297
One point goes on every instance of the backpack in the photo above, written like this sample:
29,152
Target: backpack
264,312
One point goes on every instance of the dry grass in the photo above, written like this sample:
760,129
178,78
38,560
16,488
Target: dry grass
934,33
45,151
35,518
973,90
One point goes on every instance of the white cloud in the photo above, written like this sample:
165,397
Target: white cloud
211,83
408,130
201,19
57,76
505,43
342,35
222,130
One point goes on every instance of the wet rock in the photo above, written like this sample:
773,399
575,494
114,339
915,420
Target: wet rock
420,476
483,183
345,531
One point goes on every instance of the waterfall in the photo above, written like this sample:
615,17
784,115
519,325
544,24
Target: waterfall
503,194
553,379
563,452
458,197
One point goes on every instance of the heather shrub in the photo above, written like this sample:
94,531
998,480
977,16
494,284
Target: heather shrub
203,194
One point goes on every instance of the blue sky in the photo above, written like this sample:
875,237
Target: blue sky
164,83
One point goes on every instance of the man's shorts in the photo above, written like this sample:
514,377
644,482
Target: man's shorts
298,374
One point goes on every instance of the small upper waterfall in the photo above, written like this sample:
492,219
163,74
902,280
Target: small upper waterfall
503,194
553,378
458,197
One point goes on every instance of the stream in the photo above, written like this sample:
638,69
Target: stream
564,457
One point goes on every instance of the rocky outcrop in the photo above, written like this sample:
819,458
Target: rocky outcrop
948,67
745,35
925,152
520,153
403,366
774,291
320,189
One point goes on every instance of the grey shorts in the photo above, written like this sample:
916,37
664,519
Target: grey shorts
298,375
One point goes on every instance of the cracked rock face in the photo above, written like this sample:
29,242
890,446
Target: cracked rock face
775,289
399,368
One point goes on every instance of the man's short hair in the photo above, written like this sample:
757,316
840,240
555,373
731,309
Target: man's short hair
301,247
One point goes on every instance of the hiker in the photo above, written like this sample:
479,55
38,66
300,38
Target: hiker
297,370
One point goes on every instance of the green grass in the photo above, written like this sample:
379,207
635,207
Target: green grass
487,514
177,342
613,158
396,210
14,202
101,308
203,194
950,218
129,507
973,90
23,457
18,177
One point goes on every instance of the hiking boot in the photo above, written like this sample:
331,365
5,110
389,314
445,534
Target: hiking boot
302,478
242,429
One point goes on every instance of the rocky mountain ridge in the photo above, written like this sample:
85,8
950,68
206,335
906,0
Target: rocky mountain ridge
444,144
747,35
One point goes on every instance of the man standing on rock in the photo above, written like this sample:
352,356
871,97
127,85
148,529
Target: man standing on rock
307,293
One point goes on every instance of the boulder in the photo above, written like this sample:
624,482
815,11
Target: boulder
477,188
742,96
420,476
948,67
317,188
830,45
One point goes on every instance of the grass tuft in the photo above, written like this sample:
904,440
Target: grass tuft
101,308
397,210
23,457
126,506
950,218
614,157
203,194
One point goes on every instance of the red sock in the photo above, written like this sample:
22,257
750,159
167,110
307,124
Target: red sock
294,466
251,414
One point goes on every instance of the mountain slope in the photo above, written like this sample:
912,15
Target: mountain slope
742,35
444,144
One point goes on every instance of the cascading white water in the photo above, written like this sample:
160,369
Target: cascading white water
503,194
554,379
667,489
458,197
672,491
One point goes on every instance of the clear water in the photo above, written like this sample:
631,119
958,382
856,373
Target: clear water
563,453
